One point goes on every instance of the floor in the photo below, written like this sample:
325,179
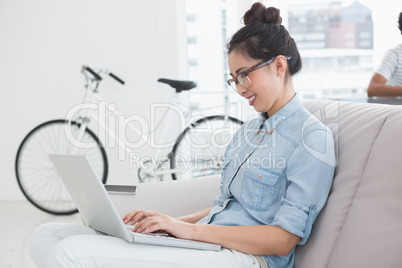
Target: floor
18,219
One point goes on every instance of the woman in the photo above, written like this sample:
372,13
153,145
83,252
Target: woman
275,181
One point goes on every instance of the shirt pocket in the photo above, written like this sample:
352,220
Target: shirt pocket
259,189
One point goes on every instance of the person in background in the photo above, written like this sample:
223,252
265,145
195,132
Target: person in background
276,179
387,80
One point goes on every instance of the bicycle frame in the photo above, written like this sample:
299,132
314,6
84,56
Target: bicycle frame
84,113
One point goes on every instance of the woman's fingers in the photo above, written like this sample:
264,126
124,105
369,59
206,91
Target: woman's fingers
144,224
129,216
163,223
152,221
154,228
153,224
137,215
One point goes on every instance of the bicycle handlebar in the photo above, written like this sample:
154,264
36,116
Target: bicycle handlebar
97,76
117,79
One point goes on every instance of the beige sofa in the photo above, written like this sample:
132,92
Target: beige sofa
361,224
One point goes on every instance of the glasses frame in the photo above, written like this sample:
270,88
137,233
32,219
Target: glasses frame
249,70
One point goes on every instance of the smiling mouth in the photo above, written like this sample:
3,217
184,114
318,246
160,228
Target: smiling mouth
251,100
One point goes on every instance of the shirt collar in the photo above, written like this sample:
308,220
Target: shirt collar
282,114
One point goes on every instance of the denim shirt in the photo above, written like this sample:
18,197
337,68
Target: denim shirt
277,172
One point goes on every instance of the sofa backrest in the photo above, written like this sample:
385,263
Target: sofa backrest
361,224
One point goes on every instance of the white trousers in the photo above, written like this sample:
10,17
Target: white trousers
56,245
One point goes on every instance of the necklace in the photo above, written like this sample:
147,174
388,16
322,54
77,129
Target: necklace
269,132
259,139
272,130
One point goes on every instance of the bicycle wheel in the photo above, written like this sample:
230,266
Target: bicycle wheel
199,149
35,173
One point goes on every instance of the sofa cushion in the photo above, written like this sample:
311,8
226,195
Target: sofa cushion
361,224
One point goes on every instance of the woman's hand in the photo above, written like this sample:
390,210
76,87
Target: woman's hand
152,221
138,215
163,223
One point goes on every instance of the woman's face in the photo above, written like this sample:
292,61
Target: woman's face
267,83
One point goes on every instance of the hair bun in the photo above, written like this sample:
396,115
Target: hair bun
258,12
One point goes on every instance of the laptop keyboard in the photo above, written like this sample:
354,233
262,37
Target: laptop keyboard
164,239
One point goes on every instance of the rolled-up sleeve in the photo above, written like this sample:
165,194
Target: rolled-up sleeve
310,171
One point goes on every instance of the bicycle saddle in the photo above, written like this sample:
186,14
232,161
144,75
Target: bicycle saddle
178,84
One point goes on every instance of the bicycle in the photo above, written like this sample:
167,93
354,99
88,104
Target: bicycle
188,158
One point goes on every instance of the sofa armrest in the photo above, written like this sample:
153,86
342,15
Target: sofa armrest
173,198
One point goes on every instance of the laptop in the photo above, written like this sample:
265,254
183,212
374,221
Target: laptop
97,209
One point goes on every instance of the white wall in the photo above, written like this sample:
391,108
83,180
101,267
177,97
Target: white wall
44,43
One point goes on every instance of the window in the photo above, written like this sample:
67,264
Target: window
365,35
343,40
334,52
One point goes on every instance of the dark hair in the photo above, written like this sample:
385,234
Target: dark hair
400,22
263,37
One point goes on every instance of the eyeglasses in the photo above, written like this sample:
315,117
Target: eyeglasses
243,79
